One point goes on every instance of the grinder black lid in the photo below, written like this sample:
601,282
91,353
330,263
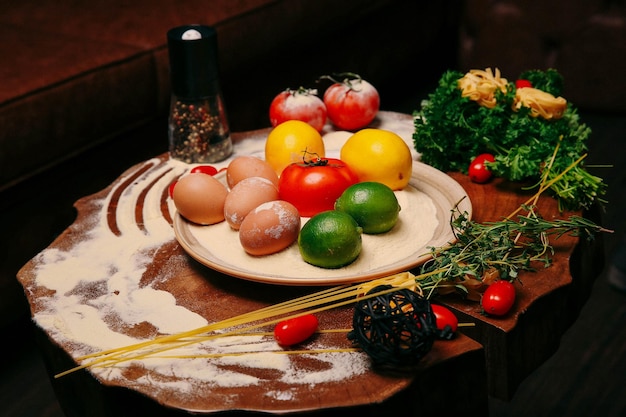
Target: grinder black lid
193,61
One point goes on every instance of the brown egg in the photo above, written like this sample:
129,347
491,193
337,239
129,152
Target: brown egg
200,198
270,228
249,166
248,194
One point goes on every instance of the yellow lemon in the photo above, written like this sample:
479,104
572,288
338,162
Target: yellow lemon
380,156
292,141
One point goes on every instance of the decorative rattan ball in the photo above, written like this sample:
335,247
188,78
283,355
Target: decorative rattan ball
395,329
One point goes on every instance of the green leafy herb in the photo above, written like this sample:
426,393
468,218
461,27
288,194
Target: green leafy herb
495,250
450,130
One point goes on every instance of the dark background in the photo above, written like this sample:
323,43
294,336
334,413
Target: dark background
585,376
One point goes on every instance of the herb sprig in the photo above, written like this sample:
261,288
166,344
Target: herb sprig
450,130
485,252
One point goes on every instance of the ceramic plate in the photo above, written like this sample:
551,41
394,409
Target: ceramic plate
424,222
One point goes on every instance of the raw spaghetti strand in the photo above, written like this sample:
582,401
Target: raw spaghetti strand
323,300
243,318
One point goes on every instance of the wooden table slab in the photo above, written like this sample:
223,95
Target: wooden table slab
514,345
127,229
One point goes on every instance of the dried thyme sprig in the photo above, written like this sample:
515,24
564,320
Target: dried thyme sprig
487,251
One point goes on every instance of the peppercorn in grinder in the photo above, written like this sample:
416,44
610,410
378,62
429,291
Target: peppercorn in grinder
198,125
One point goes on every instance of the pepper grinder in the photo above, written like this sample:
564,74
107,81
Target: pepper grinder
198,126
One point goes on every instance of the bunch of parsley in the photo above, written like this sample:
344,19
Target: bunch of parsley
451,130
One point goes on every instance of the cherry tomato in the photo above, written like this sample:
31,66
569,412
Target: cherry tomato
301,104
296,330
170,189
478,171
314,186
444,317
205,169
498,298
351,104
522,83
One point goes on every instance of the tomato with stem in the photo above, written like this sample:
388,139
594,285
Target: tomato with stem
314,185
302,104
352,103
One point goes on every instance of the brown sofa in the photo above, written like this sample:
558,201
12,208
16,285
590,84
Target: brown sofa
77,76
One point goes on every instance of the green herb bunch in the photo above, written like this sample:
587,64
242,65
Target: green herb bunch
450,130
485,252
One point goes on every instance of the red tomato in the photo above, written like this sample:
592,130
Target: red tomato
444,317
522,83
498,298
205,169
314,186
351,104
170,189
301,104
478,171
296,330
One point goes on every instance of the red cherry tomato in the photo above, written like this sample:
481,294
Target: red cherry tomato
478,171
523,83
314,186
296,330
205,169
170,189
301,104
444,317
351,104
498,298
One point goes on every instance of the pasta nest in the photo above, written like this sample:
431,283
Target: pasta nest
481,86
540,103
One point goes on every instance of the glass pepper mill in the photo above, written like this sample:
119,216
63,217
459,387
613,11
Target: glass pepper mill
198,126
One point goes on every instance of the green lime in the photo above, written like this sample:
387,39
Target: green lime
373,205
330,239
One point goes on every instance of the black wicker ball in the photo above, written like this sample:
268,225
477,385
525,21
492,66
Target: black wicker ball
395,329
